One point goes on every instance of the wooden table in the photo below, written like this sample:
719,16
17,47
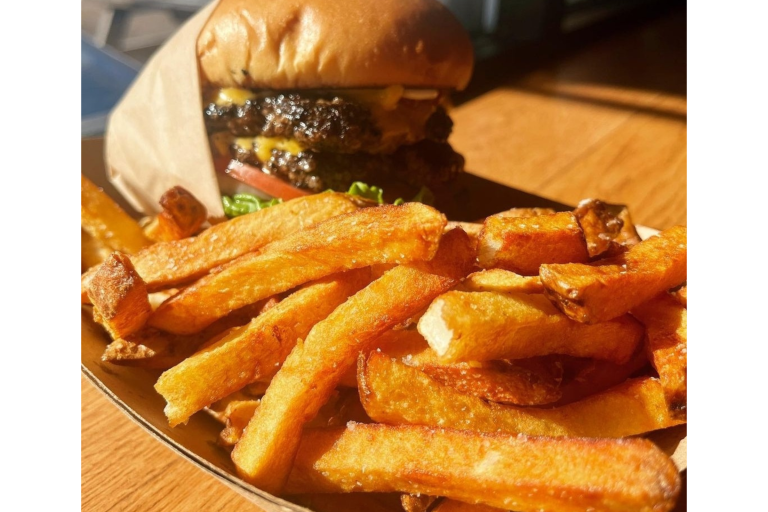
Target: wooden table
608,121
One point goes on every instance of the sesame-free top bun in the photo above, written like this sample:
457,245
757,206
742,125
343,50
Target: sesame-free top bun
300,44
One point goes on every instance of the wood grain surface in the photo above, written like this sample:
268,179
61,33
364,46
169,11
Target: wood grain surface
608,121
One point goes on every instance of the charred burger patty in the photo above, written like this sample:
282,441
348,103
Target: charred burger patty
322,140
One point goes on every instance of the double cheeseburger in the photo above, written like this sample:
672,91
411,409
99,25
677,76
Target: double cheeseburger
302,96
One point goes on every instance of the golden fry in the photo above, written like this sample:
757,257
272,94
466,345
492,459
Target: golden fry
482,326
104,220
265,453
385,234
608,289
522,245
254,351
396,394
119,297
608,228
522,473
666,322
499,280
181,216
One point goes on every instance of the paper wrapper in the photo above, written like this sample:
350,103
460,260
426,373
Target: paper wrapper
156,137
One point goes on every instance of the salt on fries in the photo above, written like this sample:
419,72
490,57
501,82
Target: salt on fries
347,348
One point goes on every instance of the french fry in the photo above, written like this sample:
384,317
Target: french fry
608,289
416,502
104,220
483,326
666,324
265,453
448,505
349,502
253,352
181,216
169,264
522,245
499,280
396,394
385,234
511,472
608,228
119,297
681,295
92,251
151,348
584,378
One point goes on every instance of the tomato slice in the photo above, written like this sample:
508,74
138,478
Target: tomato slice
266,183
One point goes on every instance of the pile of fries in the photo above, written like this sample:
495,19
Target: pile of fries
355,348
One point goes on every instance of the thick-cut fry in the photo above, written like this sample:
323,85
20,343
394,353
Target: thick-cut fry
499,280
666,322
396,394
681,295
348,502
265,453
160,350
385,234
608,228
253,352
512,472
104,220
92,251
181,216
448,505
608,289
482,326
119,297
585,377
416,502
522,245
168,264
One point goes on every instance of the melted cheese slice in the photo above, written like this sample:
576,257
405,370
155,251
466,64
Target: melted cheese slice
263,146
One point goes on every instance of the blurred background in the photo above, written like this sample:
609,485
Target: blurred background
510,36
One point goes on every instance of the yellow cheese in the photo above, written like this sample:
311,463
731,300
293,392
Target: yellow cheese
233,96
263,146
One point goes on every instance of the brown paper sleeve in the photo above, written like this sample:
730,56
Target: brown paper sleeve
156,137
